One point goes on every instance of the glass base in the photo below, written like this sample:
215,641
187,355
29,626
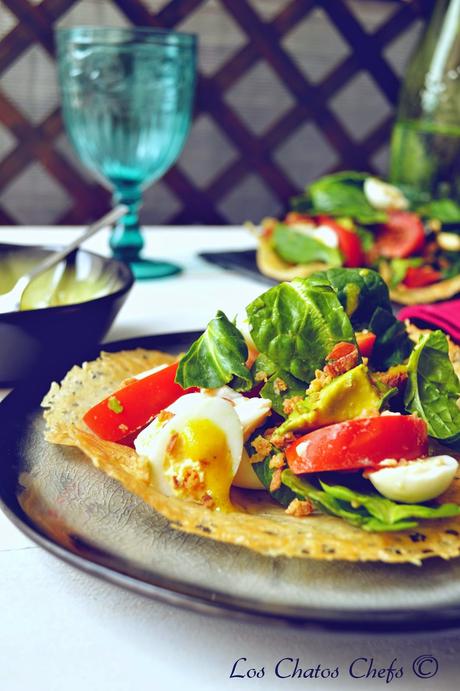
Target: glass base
149,269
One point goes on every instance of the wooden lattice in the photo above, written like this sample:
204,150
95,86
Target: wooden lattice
36,141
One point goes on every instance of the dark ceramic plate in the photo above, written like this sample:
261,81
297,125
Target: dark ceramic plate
76,512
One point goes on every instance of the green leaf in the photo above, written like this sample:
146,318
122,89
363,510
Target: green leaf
277,395
388,511
297,324
370,512
399,269
367,238
433,388
453,269
262,469
297,248
364,295
360,291
218,357
393,344
342,194
444,210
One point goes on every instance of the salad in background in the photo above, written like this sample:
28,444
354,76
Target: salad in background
353,219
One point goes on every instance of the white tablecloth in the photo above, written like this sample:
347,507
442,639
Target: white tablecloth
61,629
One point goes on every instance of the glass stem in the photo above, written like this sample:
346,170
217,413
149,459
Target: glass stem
126,240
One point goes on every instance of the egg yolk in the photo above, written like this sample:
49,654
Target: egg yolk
199,463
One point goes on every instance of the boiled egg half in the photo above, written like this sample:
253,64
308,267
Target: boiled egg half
195,448
415,481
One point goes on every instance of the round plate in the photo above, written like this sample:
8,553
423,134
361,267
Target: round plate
66,505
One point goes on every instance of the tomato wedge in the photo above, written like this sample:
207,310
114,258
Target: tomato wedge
359,443
349,242
129,409
419,276
365,341
401,236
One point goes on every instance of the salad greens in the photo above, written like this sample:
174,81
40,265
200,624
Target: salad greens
434,388
297,324
218,357
369,511
297,248
280,387
295,327
340,194
443,210
399,267
364,296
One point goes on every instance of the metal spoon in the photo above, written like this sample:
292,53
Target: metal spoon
10,301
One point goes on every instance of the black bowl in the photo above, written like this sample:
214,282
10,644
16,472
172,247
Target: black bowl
59,335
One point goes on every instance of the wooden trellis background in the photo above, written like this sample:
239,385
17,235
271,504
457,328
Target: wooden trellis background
288,90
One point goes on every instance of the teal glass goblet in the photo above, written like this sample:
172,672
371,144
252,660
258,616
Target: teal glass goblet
127,98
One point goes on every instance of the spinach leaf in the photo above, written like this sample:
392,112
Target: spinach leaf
279,385
360,291
370,512
453,269
296,248
367,238
340,194
365,298
393,344
389,511
444,210
434,388
399,269
297,324
218,357
283,495
275,391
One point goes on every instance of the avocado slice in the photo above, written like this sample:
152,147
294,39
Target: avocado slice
347,396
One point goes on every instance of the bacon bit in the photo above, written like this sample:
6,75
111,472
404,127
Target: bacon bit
262,447
277,461
281,441
268,226
208,501
164,416
296,217
395,376
279,386
172,442
289,404
319,382
300,509
343,357
276,480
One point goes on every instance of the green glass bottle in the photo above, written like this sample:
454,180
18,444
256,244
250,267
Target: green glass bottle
425,145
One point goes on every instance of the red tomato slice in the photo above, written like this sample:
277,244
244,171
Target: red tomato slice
419,276
349,242
129,409
401,236
365,341
359,443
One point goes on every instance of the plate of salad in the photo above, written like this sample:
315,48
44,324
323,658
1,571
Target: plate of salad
353,219
299,461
